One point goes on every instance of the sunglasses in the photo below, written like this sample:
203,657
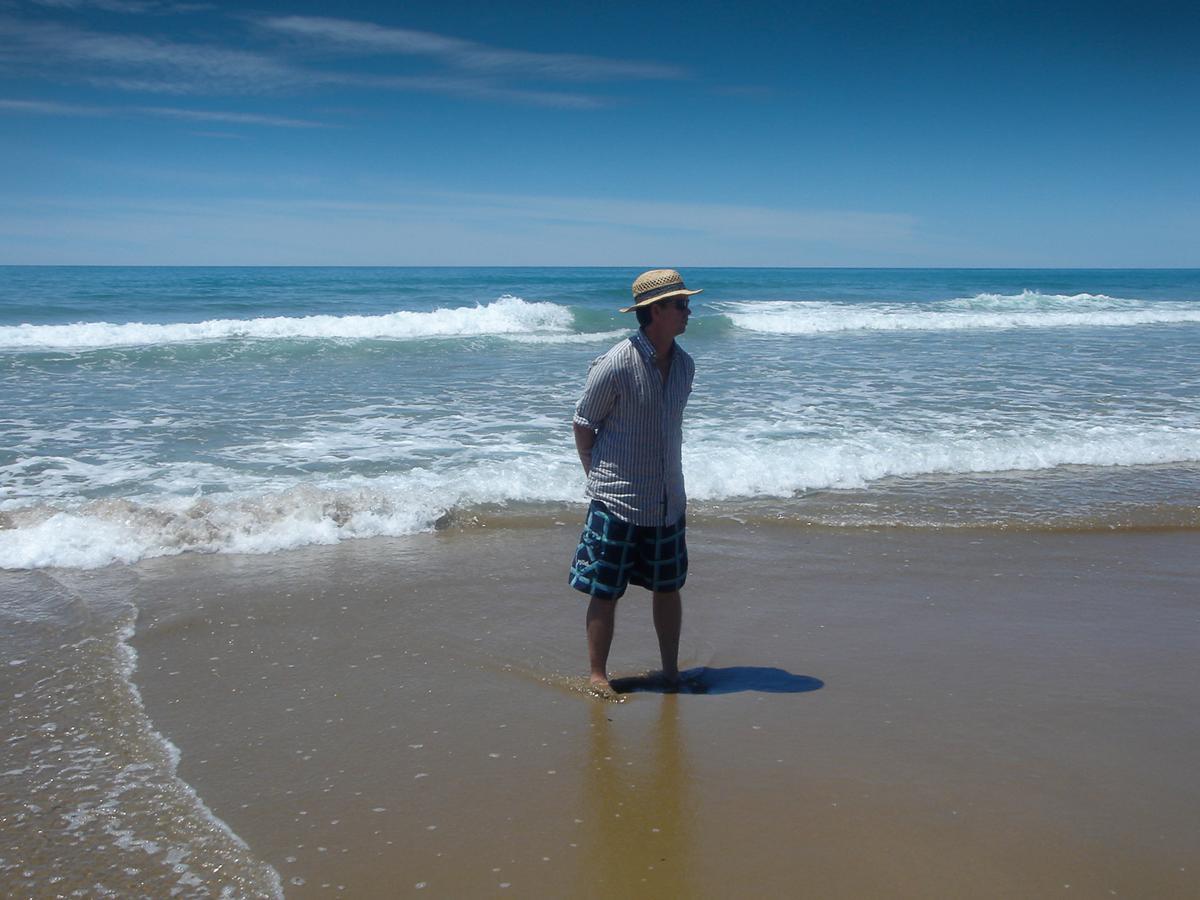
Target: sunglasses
681,303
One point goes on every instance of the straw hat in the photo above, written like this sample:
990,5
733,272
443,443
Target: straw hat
655,285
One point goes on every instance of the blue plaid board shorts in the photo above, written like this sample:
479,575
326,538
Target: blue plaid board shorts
612,554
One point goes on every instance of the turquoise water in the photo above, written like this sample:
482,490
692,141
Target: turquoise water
152,411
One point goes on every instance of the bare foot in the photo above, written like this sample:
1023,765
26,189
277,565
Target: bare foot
599,687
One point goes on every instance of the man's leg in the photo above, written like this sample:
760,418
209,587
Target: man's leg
601,620
668,621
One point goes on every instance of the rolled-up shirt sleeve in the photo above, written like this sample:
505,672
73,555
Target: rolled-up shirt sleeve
599,395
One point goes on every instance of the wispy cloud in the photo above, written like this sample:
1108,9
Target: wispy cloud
120,6
59,52
140,64
41,107
478,89
716,220
232,118
124,6
463,54
234,226
709,224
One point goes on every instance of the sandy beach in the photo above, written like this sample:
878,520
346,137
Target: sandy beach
889,713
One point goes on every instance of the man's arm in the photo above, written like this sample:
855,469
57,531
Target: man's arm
599,398
584,439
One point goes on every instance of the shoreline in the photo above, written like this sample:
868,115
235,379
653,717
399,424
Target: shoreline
998,710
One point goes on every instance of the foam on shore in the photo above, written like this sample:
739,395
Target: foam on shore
96,773
257,515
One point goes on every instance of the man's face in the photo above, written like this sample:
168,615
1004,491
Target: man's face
674,314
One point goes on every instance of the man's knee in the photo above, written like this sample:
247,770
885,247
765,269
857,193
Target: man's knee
602,607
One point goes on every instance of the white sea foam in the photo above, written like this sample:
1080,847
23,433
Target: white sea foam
98,533
1035,300
724,469
62,476
263,872
718,467
587,337
1028,309
506,316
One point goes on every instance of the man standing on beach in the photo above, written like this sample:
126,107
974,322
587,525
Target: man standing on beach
629,434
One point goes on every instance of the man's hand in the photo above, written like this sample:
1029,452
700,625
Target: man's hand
584,439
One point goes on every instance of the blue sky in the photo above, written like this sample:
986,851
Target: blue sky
515,133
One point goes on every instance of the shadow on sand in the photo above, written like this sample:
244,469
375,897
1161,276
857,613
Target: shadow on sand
728,680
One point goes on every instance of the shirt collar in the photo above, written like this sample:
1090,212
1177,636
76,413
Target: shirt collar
644,346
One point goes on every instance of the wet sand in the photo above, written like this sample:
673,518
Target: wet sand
889,713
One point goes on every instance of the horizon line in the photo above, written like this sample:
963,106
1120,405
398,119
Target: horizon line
638,266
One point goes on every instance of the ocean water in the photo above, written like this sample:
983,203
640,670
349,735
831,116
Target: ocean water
155,411
149,412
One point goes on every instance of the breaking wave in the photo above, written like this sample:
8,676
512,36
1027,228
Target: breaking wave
507,315
1028,309
724,469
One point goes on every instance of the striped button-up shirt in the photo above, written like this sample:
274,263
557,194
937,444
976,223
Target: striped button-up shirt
637,466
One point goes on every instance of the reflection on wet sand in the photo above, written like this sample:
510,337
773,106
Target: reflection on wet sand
638,803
